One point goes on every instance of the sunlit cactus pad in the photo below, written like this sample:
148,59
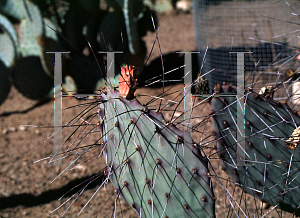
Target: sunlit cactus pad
271,169
153,165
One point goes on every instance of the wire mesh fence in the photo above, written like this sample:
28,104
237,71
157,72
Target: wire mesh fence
267,28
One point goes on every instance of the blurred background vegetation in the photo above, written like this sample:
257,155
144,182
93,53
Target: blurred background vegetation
30,28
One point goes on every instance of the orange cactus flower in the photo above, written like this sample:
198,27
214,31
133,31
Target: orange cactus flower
128,81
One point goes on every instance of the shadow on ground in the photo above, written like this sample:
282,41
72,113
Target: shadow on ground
30,200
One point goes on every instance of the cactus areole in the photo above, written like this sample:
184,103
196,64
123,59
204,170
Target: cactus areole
155,167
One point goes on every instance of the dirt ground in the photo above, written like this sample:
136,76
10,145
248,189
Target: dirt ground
25,187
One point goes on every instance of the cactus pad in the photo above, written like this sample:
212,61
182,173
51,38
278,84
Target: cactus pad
14,9
9,42
49,43
271,170
28,43
153,165
7,50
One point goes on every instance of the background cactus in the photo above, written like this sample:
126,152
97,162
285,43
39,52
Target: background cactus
41,23
8,54
271,156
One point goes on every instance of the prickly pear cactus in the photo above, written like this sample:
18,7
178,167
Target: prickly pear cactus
14,9
270,172
8,54
157,168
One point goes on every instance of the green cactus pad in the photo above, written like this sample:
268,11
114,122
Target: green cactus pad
7,50
35,37
131,26
69,85
163,6
9,42
34,16
27,39
49,43
14,9
272,163
154,166
38,43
